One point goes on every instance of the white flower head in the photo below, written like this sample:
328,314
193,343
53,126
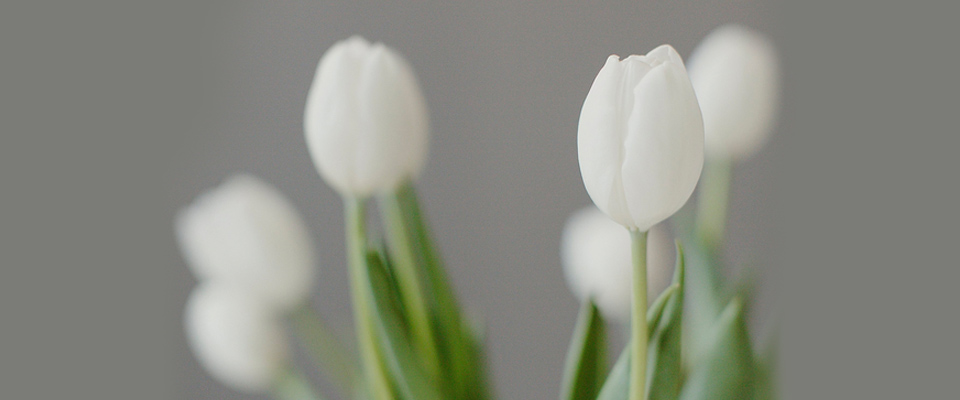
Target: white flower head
597,262
235,337
640,138
247,233
366,120
735,74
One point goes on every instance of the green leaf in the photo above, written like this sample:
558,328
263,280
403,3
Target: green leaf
404,366
460,351
586,358
617,384
291,385
663,354
706,295
727,370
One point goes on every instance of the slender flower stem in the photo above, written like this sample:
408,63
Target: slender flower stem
409,279
331,353
712,202
291,385
638,359
363,316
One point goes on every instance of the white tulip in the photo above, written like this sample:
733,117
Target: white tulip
597,264
640,138
366,120
247,233
736,77
235,337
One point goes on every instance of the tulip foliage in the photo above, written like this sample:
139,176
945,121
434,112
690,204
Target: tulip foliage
641,151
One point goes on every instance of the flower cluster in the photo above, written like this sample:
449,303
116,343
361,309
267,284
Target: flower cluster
650,126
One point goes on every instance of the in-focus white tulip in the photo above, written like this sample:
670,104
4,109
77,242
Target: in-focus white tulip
366,120
247,233
640,138
597,263
235,337
736,77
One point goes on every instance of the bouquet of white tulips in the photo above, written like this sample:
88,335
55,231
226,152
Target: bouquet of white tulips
648,127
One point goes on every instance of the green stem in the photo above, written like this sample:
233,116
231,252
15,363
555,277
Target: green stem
712,202
363,316
409,280
291,385
331,353
638,360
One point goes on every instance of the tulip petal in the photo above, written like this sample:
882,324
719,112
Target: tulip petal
665,146
599,140
735,74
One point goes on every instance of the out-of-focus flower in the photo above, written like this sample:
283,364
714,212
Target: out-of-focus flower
736,77
235,337
640,138
597,264
366,120
247,234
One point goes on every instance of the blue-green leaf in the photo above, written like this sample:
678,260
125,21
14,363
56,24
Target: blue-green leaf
586,359
617,384
663,354
727,370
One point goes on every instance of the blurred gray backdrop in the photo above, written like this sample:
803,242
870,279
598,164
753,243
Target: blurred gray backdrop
505,81
116,114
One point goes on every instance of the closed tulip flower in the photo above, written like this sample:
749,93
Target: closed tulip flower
366,120
735,75
596,261
248,234
235,337
640,138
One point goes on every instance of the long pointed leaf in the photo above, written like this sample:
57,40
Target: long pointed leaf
408,374
586,358
617,384
663,355
727,370
460,349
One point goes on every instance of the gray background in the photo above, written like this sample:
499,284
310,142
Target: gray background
114,114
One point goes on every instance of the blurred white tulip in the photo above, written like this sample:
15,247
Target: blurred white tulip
247,233
597,264
640,138
366,120
736,77
235,337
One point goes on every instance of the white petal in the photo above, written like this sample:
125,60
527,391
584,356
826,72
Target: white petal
664,146
599,140
366,122
664,53
735,74
234,337
246,233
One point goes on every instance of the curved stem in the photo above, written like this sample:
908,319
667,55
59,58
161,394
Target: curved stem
638,359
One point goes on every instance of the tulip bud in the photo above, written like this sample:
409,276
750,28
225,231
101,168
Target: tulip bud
597,264
735,75
640,138
366,120
246,233
235,337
